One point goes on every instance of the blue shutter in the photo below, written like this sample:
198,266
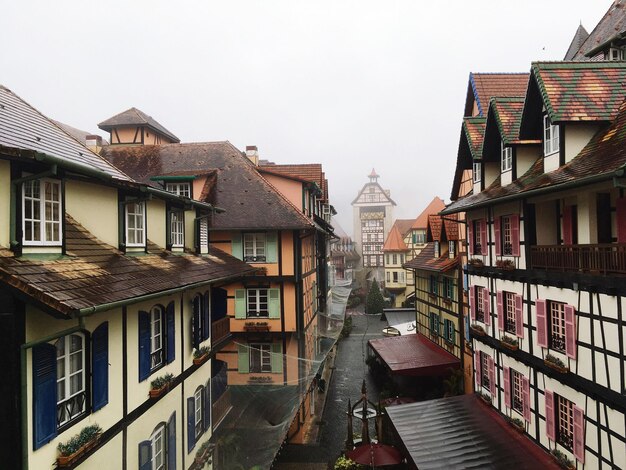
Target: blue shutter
171,332
206,317
191,425
145,455
144,345
44,394
171,442
195,326
206,406
100,366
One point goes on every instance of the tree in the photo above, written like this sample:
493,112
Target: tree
375,301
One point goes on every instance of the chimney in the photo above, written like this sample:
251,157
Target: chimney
93,143
253,154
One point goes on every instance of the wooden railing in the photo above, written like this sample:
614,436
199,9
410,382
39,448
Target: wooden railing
221,407
220,329
607,258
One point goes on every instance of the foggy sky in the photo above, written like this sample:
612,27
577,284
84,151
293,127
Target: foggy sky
349,84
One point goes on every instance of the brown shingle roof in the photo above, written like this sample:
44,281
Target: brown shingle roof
611,27
250,201
136,117
94,273
426,261
579,38
487,85
434,207
395,240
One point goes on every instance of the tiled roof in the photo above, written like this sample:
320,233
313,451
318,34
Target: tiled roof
507,113
136,117
78,134
434,227
249,200
404,225
434,207
611,26
94,273
395,240
488,85
451,226
23,127
579,38
426,260
599,160
474,132
581,91
311,172
442,229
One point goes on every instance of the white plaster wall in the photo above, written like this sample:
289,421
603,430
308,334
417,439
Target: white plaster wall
525,157
551,162
491,170
5,202
577,135
156,221
506,177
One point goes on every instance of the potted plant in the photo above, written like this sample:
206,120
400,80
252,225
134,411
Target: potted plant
77,445
256,326
517,424
200,355
203,454
485,397
555,363
509,342
160,385
562,459
476,262
477,330
505,264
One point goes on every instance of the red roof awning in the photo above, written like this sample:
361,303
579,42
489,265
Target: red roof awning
413,355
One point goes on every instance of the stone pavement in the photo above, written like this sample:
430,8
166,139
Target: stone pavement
345,383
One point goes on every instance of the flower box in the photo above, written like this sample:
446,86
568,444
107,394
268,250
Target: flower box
506,265
517,424
160,385
157,392
83,442
477,330
257,327
198,361
562,460
557,367
485,399
509,346
476,263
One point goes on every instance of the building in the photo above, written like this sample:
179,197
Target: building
372,216
344,258
396,251
96,306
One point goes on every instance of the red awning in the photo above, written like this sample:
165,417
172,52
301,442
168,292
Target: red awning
413,355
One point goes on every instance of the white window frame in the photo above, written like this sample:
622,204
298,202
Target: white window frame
564,421
197,397
135,211
177,229
551,144
65,375
157,444
556,320
45,219
476,172
484,370
157,337
255,302
506,157
264,352
517,391
451,248
479,295
254,247
180,189
508,300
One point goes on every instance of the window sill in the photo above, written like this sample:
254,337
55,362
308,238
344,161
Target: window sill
551,153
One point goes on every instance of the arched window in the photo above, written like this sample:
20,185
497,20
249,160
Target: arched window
157,442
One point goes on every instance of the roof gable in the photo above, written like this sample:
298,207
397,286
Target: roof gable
395,240
610,28
484,86
136,117
385,198
434,207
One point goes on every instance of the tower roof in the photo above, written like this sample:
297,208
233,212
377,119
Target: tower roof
579,38
395,240
136,117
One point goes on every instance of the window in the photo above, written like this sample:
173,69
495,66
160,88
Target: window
485,378
480,231
451,249
434,323
477,171
260,358
198,411
419,238
177,229
437,250
201,324
509,312
557,325
395,276
402,259
70,363
198,414
564,422
402,276
41,214
615,54
448,288
550,137
507,236
156,337
157,442
258,302
388,276
135,226
448,334
182,189
254,247
395,259
517,395
434,288
480,302
159,451
506,157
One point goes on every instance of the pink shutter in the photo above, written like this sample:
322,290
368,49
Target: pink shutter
519,317
542,323
549,397
507,386
483,237
567,225
515,234
501,314
570,331
579,434
472,299
470,237
526,397
477,368
620,217
486,306
492,375
496,229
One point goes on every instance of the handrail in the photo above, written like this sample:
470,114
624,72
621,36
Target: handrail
606,258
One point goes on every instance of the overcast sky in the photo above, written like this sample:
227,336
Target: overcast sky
349,84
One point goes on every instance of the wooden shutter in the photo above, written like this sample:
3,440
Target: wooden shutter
515,242
44,394
472,300
477,368
620,219
501,312
144,345
506,376
498,235
191,423
579,434
206,316
240,304
277,358
483,237
542,323
171,332
519,316
100,366
567,225
274,303
487,306
171,442
196,319
145,455
492,375
271,247
470,237
206,407
550,432
526,397
570,331
243,359
204,236
237,246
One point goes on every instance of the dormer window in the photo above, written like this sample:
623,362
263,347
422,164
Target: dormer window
181,189
177,229
135,224
506,157
477,171
437,249
41,215
615,54
550,137
451,249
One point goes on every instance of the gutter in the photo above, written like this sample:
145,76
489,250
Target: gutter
161,193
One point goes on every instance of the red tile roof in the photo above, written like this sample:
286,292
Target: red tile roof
426,261
435,225
395,240
311,172
474,132
434,207
451,226
507,113
488,85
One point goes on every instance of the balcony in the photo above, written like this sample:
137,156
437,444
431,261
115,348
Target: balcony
602,259
221,407
220,331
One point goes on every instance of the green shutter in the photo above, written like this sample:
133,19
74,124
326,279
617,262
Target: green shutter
277,358
240,304
274,303
452,333
243,365
237,247
271,247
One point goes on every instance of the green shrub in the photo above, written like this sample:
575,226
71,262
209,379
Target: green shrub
347,328
76,442
344,463
375,301
160,382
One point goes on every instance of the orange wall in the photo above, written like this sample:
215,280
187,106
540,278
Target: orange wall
291,189
198,184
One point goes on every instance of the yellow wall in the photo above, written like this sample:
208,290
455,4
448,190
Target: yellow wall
156,221
5,202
